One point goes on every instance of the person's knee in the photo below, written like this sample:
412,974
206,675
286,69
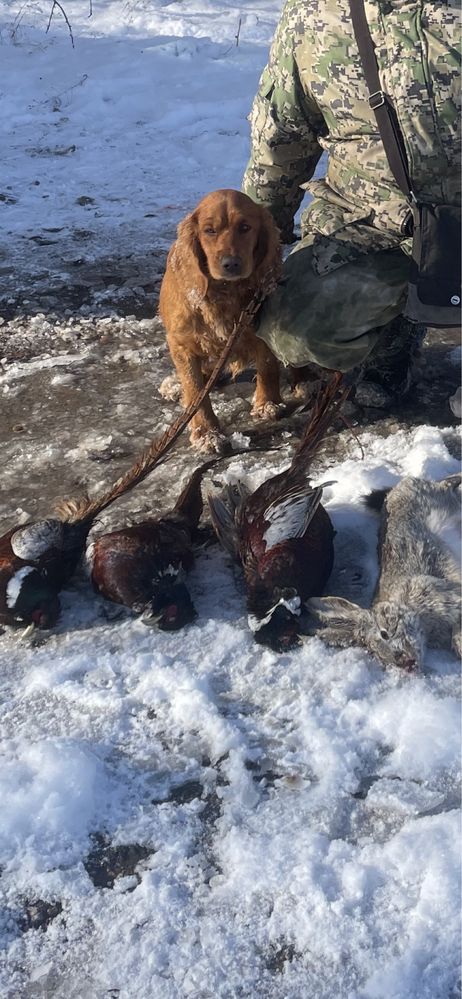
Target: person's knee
332,319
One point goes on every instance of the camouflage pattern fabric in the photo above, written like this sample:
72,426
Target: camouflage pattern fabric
332,319
313,97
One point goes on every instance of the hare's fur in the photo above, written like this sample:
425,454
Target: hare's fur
417,601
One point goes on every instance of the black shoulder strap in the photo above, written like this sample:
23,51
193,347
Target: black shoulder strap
387,121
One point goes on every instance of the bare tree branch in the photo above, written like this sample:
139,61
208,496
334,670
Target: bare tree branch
56,3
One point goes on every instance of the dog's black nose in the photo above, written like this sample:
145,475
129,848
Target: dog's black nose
231,266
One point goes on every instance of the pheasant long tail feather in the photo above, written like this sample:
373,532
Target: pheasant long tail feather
222,512
74,511
327,406
189,503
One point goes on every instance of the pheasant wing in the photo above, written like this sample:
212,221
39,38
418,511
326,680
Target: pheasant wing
34,540
264,526
290,515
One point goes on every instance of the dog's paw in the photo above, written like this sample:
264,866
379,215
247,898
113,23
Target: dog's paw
208,441
170,388
267,410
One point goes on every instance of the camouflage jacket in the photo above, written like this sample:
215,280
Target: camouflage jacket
312,97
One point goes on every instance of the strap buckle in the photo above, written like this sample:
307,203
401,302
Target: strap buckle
377,100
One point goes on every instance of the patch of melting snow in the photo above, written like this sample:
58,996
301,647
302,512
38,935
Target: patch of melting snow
239,441
21,369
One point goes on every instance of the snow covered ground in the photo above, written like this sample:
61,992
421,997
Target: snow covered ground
295,817
105,146
190,816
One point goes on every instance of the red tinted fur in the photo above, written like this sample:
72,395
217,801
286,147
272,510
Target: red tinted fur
224,252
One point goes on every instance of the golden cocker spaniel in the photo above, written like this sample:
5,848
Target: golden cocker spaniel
225,251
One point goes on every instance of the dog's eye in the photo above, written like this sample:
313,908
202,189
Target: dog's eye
383,633
243,227
209,231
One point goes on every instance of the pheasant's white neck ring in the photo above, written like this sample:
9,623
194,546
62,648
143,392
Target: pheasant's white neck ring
293,605
14,585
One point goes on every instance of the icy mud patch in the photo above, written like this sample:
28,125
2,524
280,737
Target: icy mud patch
65,284
80,399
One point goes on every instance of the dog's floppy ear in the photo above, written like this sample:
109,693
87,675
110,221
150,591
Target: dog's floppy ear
267,253
191,256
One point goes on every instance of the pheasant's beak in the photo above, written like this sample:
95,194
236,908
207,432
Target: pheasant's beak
150,618
27,632
170,610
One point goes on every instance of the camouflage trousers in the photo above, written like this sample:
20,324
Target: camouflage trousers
332,319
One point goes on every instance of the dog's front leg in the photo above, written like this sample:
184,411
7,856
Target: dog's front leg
267,402
205,430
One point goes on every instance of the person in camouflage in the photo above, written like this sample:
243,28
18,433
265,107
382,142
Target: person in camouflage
344,283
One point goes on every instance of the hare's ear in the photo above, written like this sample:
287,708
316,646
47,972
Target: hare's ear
191,257
337,621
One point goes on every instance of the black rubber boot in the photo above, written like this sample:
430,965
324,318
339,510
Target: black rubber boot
387,374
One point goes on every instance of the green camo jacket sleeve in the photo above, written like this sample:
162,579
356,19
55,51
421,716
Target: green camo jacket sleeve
285,125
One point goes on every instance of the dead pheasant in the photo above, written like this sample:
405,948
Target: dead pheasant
282,535
37,559
35,562
144,566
